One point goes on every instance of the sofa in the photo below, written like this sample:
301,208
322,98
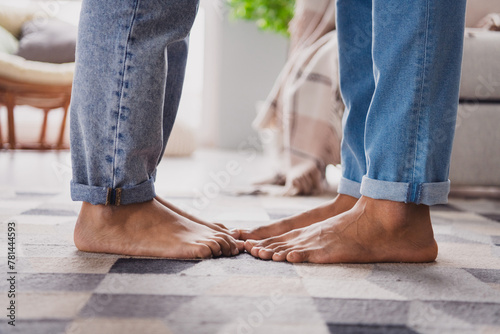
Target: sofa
475,164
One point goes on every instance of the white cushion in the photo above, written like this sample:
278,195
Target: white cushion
19,69
481,66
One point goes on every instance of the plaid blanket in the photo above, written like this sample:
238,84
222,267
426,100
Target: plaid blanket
304,108
490,22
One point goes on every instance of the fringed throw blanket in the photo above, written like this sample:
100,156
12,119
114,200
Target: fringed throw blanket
304,107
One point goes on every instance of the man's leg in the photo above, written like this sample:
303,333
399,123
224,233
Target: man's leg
417,50
121,97
177,57
354,32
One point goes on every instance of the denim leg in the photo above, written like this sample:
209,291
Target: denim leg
123,102
354,29
177,58
417,54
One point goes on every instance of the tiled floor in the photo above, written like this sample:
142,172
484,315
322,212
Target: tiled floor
62,290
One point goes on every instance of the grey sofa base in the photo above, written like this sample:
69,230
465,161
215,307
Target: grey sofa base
475,160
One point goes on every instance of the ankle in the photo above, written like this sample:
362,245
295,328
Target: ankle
345,201
396,215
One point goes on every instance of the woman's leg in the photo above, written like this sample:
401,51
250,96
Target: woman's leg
417,56
416,50
357,84
127,86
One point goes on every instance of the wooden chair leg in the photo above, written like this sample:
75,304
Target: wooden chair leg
43,131
63,125
1,134
10,104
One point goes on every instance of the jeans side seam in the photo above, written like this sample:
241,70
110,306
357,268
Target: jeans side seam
121,91
422,88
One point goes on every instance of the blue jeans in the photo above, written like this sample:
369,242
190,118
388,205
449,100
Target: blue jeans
400,67
131,57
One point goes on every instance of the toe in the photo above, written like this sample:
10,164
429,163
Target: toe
201,251
214,246
266,254
280,256
297,256
225,247
240,245
255,251
249,244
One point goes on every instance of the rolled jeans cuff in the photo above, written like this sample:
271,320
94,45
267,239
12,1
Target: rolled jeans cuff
349,187
108,196
419,193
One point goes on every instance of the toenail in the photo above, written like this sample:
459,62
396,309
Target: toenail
236,251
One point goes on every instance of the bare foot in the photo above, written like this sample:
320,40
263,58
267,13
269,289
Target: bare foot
339,205
148,229
214,226
372,231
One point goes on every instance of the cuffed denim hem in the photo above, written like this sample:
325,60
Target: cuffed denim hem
107,196
349,187
423,193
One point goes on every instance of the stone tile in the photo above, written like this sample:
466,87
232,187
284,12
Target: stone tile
118,326
426,318
363,311
455,255
477,205
486,275
339,271
57,251
486,228
132,306
348,289
151,266
258,286
275,309
255,326
242,265
38,326
490,329
80,265
154,284
369,329
58,239
444,207
50,305
57,282
496,240
492,216
432,283
474,313
452,239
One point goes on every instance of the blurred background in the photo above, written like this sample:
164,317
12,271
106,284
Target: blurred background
232,65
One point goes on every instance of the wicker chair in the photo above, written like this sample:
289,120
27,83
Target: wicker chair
40,85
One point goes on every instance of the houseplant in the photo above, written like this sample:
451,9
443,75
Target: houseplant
270,15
